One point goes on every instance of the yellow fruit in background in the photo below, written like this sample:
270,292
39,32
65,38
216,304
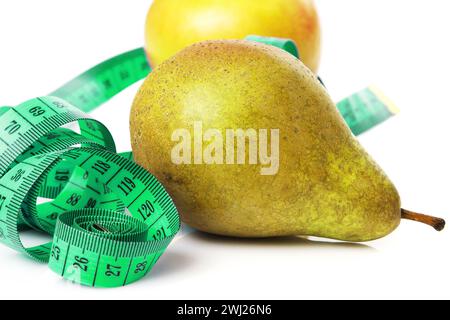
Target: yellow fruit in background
175,24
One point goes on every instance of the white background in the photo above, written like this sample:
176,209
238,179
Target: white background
402,46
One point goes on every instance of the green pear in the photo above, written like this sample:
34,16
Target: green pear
249,144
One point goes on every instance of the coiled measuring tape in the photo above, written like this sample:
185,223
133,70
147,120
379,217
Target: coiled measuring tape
95,243
110,219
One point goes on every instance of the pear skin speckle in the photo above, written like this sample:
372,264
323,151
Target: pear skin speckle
326,186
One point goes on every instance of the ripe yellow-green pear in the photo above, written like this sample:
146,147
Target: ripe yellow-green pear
323,183
175,24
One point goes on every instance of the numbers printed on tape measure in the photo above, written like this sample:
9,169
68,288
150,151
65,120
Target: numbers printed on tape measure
126,185
62,175
101,167
113,271
146,209
17,175
81,263
56,252
12,127
91,203
140,267
37,111
73,200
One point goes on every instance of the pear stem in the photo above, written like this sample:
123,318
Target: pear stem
437,223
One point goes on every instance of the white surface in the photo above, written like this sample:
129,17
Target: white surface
400,45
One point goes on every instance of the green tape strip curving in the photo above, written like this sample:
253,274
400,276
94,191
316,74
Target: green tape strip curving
110,219
97,85
365,109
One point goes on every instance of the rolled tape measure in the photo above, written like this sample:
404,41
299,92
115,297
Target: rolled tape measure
95,242
110,219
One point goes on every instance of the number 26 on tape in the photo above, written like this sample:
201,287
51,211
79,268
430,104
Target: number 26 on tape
81,263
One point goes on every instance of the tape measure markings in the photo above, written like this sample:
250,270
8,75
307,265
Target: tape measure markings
102,82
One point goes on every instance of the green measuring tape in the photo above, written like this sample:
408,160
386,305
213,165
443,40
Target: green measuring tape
95,243
110,219
365,109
